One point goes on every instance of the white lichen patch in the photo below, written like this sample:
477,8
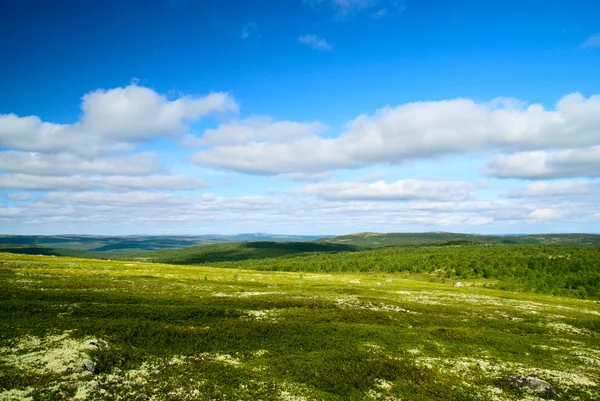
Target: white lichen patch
372,347
469,368
383,396
260,352
223,358
247,294
380,307
383,384
267,314
291,392
567,328
52,354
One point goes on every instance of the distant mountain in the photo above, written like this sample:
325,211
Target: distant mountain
111,246
192,248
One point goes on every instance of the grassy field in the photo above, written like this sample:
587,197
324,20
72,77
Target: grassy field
172,332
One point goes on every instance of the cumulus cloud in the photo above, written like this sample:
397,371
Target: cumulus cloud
21,196
305,176
85,182
135,198
137,113
544,214
421,130
256,129
568,189
68,164
95,152
541,165
401,190
314,42
112,120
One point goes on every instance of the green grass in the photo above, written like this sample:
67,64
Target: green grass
176,332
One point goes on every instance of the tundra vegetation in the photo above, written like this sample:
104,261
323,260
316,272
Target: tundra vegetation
339,324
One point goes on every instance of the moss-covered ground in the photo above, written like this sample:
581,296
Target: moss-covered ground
166,332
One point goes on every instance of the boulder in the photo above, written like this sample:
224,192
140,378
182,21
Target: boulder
533,384
87,365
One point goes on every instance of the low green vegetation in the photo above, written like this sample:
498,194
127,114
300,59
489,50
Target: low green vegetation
559,270
182,332
240,251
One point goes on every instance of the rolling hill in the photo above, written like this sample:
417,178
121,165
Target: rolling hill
376,240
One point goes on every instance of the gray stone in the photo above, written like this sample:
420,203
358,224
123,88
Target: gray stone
535,385
89,366
459,284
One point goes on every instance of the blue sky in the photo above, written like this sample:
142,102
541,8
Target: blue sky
299,116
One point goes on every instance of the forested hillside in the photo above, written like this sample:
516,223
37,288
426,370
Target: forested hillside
103,247
376,240
240,251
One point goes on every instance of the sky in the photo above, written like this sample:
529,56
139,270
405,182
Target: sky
299,116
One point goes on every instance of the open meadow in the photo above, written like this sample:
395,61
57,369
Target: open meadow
82,329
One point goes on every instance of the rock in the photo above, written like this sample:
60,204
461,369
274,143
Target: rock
87,365
389,280
535,385
459,284
378,284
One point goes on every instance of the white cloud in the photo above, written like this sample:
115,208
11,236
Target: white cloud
305,176
544,214
591,42
540,165
314,42
112,120
83,182
113,199
95,152
141,211
555,189
256,129
22,196
136,113
397,191
67,164
421,130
